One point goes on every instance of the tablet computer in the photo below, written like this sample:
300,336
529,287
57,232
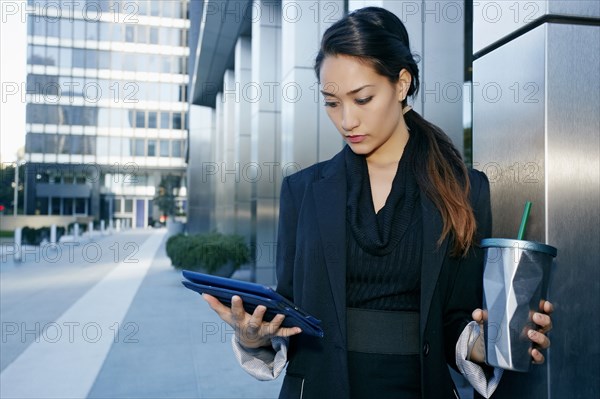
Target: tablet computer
252,295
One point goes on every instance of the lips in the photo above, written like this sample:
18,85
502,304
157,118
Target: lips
356,138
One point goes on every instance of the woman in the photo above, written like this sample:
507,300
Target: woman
380,242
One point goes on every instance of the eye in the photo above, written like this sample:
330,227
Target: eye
363,101
331,104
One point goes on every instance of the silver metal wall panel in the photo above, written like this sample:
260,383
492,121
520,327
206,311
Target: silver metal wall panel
266,133
540,141
508,131
573,210
200,189
492,19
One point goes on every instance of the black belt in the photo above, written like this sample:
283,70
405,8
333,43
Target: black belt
384,332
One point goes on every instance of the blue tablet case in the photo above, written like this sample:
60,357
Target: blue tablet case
252,295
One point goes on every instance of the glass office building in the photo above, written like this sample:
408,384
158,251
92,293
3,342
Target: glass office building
106,107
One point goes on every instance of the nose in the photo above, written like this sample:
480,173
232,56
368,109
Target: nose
349,119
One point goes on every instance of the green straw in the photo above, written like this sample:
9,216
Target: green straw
524,220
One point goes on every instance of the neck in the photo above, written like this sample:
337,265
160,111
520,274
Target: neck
391,151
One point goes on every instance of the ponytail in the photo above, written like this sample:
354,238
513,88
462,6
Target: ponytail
443,176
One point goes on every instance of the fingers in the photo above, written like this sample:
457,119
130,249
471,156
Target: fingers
546,307
222,310
251,329
539,339
537,356
479,315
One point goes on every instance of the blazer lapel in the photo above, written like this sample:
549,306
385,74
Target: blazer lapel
330,198
433,257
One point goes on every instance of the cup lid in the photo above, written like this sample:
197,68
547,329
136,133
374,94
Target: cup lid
521,244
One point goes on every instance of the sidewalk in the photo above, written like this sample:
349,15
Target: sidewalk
114,329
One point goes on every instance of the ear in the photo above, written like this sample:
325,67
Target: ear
403,84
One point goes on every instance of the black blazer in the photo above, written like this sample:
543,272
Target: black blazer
311,271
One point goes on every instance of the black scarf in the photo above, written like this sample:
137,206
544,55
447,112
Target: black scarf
379,233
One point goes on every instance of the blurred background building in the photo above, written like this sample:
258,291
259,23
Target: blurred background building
106,108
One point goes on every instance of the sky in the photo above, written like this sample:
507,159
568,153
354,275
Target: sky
13,72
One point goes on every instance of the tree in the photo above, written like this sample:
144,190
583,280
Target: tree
164,198
7,182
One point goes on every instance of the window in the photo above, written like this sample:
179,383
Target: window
52,27
129,34
30,25
167,8
176,120
128,205
165,120
154,63
66,57
163,36
102,146
89,145
116,60
129,62
52,56
155,8
179,11
176,149
80,205
142,34
37,55
55,206
92,28
78,58
139,147
142,7
103,59
152,120
66,28
167,61
105,31
67,206
50,141
78,29
117,205
164,148
34,143
77,144
63,144
36,113
153,35
117,32
151,148
91,59
140,119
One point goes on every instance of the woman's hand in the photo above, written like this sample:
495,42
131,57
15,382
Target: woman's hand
250,329
538,336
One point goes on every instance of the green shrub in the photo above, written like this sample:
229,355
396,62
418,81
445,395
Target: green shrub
207,252
33,236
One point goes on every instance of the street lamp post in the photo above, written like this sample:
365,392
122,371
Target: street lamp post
16,198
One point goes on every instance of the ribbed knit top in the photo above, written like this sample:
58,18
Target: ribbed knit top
383,249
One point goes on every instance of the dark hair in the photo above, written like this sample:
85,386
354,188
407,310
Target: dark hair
378,37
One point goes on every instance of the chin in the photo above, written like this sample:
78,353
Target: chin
360,149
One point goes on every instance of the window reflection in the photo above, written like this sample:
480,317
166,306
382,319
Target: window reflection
52,27
164,148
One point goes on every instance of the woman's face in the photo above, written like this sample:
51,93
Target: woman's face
364,106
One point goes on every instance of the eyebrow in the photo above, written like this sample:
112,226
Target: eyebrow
350,92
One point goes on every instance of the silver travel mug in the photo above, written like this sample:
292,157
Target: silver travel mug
515,278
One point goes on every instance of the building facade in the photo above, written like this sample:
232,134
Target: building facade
106,108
